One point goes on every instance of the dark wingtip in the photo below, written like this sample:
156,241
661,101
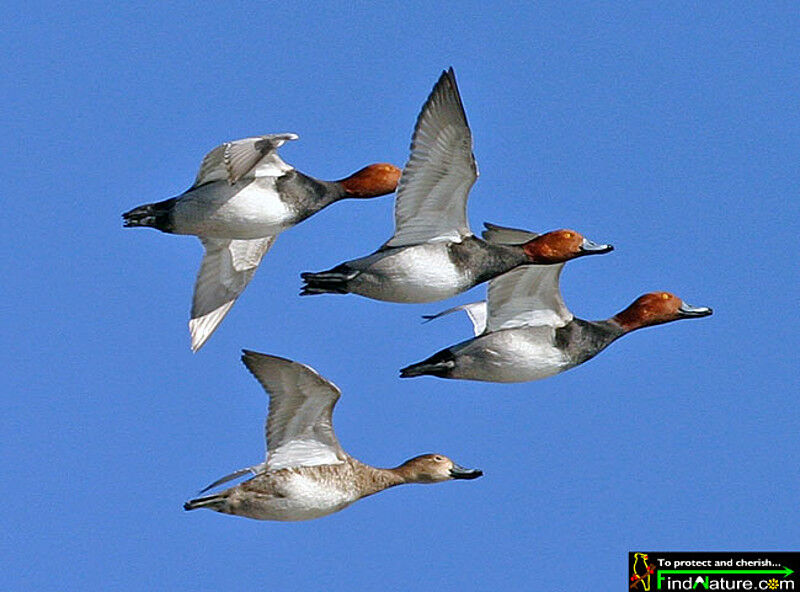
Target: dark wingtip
450,74
247,355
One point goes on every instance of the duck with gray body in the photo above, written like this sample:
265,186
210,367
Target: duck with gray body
525,332
247,209
433,255
519,355
243,197
307,474
420,273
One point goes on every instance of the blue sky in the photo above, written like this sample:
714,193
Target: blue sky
670,131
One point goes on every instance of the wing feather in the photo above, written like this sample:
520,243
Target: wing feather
299,429
248,157
527,296
501,235
227,268
476,311
431,203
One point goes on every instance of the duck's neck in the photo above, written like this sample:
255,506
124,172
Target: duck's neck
489,260
613,327
370,480
582,340
307,194
627,321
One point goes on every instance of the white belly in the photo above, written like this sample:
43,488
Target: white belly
424,273
512,355
253,211
305,499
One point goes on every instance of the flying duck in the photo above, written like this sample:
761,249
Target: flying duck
243,197
433,255
524,331
307,474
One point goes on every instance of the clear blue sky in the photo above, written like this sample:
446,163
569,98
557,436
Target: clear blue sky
671,132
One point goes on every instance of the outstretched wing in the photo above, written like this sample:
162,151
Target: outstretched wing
249,157
526,296
476,311
431,203
227,268
299,426
501,235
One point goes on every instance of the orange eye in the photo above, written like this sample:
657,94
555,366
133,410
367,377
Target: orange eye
567,235
664,296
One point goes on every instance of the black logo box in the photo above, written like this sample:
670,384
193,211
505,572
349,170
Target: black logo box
674,565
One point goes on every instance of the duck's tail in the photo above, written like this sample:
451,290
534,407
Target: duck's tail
155,215
212,502
440,364
333,281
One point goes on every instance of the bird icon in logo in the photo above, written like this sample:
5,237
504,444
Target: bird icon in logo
642,570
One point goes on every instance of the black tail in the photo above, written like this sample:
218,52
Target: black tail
212,502
333,281
440,364
154,215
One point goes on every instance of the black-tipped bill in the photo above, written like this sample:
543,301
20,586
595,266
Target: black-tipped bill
688,311
459,472
592,248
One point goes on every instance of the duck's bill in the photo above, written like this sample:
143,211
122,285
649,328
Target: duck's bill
459,472
592,248
688,311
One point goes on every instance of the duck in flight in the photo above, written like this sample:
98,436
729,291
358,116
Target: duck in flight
524,331
307,474
433,255
243,197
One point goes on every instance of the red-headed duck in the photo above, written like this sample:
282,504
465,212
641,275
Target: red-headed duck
307,474
524,331
243,197
433,255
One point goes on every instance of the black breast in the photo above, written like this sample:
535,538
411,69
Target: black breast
582,340
485,260
302,193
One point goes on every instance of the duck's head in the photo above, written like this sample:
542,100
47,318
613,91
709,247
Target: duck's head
656,308
560,246
371,181
433,468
